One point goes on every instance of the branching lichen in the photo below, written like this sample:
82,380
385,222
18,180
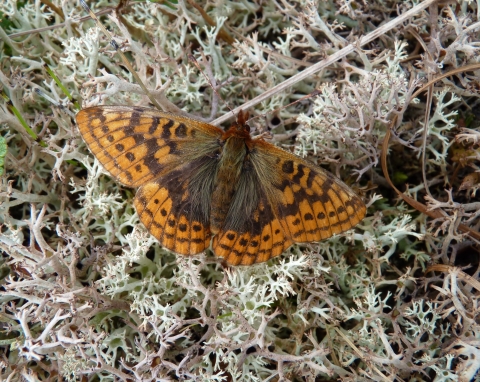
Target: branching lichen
87,292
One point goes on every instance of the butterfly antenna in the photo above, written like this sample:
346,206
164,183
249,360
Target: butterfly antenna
313,94
195,62
125,61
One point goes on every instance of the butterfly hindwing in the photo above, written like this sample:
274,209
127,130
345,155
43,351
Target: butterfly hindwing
137,145
251,232
261,238
175,208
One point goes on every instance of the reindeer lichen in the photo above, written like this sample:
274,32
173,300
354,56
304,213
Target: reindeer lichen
87,292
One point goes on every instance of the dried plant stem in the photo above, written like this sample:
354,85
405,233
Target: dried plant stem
414,203
328,61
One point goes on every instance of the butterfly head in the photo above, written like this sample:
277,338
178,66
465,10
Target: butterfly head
240,127
242,119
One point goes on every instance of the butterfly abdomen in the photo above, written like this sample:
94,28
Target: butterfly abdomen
229,170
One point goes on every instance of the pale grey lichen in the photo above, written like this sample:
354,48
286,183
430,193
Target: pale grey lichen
88,293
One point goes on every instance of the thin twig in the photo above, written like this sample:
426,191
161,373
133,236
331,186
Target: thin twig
51,27
328,61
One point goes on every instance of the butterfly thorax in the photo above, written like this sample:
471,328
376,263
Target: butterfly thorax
235,142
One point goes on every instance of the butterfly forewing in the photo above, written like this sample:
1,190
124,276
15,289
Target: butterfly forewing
137,145
312,202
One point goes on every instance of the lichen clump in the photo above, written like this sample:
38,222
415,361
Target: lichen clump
88,293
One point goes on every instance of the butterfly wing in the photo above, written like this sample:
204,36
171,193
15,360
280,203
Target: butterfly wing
175,208
137,145
171,158
292,201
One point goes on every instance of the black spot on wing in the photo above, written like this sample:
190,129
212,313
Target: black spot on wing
308,216
135,118
154,126
288,167
300,173
181,131
166,133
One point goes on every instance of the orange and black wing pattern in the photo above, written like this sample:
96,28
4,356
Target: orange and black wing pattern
169,158
295,202
280,199
137,145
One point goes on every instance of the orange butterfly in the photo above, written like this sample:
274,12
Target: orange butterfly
196,180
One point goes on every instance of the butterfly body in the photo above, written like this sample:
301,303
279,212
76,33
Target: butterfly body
197,181
232,161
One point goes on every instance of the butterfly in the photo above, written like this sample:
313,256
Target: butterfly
197,182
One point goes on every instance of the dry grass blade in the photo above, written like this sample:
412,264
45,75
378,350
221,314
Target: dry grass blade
328,61
414,203
454,270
